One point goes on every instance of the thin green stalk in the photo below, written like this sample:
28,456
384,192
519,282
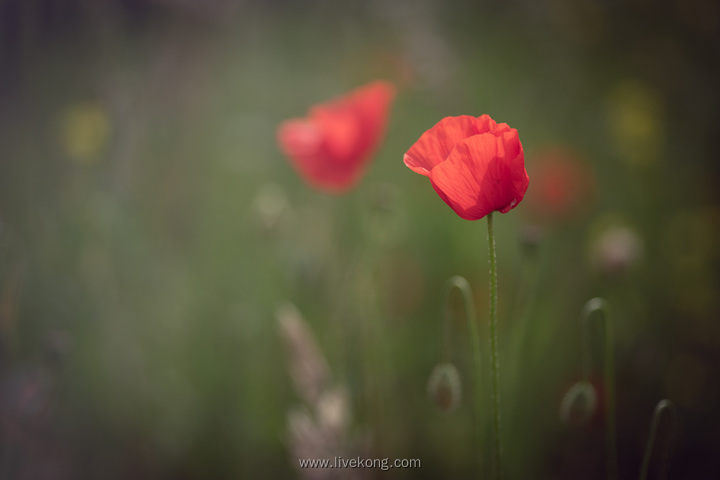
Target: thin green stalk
497,443
663,406
377,363
600,305
464,287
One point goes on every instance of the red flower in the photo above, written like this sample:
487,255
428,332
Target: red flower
563,185
332,145
476,165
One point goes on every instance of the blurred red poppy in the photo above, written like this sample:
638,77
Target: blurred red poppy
476,165
330,148
563,185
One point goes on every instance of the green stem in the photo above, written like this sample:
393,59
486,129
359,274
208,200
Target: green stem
378,368
662,406
464,287
497,443
600,305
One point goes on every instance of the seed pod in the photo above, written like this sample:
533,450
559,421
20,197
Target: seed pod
445,387
579,404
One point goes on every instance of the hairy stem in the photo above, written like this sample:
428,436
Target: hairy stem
495,363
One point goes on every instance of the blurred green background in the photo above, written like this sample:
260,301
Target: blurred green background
150,228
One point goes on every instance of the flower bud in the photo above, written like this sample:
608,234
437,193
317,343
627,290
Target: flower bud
445,387
579,404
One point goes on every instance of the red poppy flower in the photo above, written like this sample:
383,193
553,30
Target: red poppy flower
476,165
330,148
563,185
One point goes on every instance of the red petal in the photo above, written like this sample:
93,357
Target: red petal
299,138
372,105
434,146
340,130
482,174
330,149
515,161
486,124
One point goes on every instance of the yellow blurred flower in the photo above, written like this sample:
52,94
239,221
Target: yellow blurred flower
83,131
636,116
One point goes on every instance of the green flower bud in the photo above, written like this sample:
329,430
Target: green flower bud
445,387
579,404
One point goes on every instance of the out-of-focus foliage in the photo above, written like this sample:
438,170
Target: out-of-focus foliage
150,228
